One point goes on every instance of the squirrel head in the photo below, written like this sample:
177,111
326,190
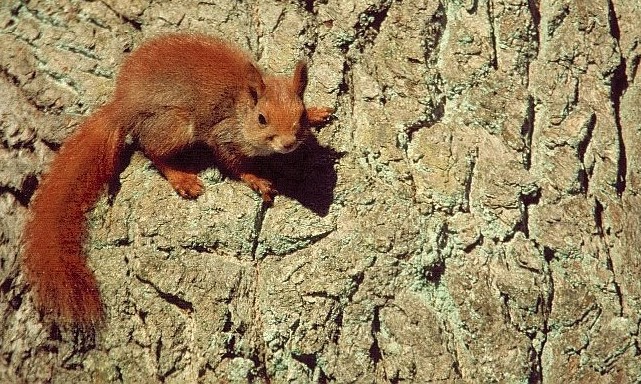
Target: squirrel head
273,123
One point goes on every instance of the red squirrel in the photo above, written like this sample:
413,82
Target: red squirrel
173,92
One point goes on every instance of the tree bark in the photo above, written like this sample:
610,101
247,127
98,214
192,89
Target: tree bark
472,214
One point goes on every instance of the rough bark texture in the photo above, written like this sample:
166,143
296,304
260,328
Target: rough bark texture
473,214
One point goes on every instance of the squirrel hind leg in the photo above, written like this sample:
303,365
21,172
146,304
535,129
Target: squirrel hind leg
162,136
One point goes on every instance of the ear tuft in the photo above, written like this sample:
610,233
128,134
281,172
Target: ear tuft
300,77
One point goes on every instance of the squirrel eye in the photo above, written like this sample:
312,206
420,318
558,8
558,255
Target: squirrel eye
261,119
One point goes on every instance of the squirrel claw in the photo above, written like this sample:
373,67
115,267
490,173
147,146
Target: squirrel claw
189,187
260,185
268,196
267,199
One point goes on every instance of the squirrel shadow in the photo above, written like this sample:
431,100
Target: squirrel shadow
306,175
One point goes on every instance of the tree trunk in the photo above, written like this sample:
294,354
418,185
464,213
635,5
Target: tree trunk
472,213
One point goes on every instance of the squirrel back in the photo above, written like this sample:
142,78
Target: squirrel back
199,74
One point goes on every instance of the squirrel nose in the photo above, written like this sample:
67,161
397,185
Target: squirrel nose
288,144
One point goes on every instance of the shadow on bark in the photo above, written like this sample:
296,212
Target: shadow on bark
306,175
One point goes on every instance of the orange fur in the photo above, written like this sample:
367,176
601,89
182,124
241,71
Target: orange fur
53,262
171,93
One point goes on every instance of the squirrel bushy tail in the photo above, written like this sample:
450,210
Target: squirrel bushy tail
53,260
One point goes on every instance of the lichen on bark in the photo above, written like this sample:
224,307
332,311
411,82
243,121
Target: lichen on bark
470,215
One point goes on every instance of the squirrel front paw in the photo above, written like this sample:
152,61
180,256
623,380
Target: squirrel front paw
260,185
318,115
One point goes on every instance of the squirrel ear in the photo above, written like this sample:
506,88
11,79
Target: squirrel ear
300,77
255,82
256,90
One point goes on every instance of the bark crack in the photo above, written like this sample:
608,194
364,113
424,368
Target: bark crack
585,173
540,340
536,21
619,84
493,39
172,299
258,227
369,24
471,164
527,129
375,353
137,25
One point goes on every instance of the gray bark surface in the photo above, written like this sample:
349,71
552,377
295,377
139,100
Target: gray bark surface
472,214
